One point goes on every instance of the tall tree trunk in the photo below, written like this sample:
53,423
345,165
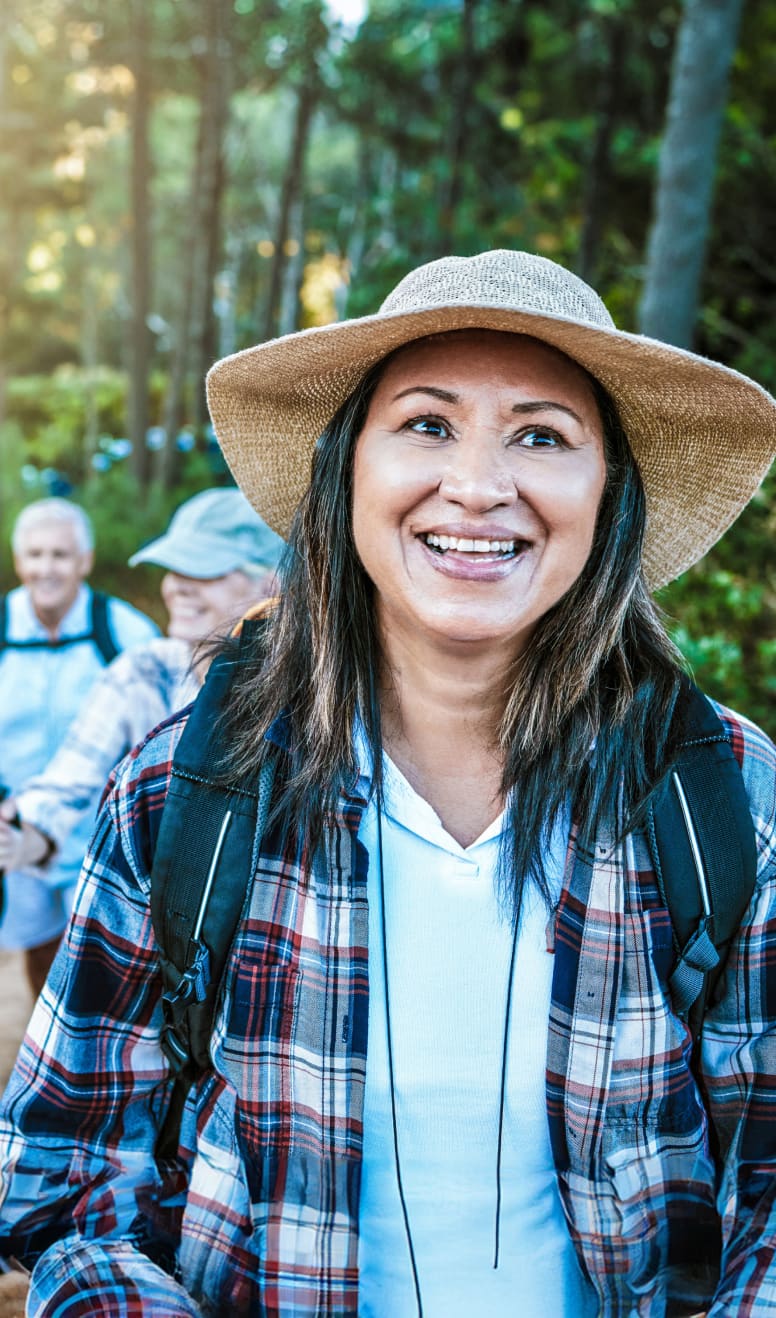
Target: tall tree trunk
291,189
139,343
215,108
676,251
194,336
90,362
598,176
6,260
288,320
174,398
460,111
358,209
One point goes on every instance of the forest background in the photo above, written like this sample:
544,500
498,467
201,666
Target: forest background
181,178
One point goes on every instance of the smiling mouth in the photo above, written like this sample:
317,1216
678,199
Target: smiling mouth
440,544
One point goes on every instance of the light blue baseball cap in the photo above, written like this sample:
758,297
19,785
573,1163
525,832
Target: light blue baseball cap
214,533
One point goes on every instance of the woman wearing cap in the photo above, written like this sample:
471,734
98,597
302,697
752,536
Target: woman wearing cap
220,559
462,701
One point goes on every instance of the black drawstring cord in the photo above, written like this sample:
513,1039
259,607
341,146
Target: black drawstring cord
402,1200
503,1089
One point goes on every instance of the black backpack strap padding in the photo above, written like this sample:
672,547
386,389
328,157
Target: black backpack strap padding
101,631
3,620
202,865
710,779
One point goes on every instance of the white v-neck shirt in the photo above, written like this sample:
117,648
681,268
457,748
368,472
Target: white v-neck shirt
449,950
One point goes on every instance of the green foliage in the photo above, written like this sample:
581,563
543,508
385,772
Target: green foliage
52,412
722,614
537,89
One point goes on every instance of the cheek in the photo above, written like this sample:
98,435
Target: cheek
363,508
575,509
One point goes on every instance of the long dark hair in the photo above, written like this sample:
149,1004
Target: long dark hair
589,712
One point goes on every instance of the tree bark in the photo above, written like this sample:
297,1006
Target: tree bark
676,250
215,109
193,342
174,398
460,112
598,176
5,267
288,319
139,339
291,189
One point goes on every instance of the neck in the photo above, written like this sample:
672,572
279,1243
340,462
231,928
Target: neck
51,619
441,695
440,715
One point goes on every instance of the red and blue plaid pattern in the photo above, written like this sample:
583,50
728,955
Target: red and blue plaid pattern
657,1171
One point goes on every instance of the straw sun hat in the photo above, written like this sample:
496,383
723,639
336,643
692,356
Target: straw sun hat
702,434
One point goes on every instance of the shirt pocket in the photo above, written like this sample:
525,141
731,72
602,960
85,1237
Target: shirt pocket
255,1030
652,1086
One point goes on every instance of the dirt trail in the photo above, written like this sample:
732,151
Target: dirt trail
15,1008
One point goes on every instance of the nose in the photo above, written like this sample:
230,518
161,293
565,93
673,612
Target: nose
476,475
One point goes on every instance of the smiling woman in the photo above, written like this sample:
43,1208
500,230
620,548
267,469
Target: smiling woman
448,1072
477,479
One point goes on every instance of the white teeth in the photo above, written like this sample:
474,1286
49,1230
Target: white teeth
464,545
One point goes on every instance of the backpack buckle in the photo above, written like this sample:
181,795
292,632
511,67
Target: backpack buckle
696,960
193,983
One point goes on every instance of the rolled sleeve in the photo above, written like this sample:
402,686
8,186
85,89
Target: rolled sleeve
80,1116
115,1280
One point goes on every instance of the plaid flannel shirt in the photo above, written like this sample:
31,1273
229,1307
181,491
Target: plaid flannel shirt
262,1202
139,689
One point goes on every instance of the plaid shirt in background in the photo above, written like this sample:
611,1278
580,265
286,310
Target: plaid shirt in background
264,1196
139,689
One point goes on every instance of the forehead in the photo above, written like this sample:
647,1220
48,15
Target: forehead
486,357
56,535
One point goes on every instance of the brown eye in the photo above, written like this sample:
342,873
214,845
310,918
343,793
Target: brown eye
428,425
540,437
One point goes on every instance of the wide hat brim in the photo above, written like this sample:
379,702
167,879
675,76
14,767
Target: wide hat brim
703,435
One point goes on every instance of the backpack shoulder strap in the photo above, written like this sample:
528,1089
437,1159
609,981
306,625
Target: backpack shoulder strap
100,627
3,620
199,883
704,850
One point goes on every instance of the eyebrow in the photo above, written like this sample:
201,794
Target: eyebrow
543,405
519,409
443,394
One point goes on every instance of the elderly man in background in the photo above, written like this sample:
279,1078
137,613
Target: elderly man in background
220,558
56,635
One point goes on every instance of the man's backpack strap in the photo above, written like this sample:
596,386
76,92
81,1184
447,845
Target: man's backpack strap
100,631
200,879
100,627
704,851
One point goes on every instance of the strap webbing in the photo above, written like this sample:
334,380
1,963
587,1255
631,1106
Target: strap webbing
100,631
102,634
201,879
721,825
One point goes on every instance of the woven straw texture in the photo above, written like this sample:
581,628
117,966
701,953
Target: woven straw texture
703,435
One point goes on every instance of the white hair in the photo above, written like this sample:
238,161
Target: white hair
44,511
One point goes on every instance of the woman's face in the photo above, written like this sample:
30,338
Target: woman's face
198,608
477,479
